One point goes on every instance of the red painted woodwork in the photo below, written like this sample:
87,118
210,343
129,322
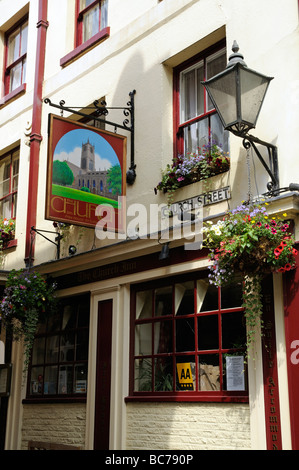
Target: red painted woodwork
291,302
103,378
36,138
271,389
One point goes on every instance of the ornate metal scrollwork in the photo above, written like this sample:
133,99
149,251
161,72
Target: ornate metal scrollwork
101,110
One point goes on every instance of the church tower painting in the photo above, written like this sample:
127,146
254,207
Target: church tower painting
88,157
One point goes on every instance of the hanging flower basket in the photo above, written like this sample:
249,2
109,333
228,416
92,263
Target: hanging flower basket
250,241
27,296
187,169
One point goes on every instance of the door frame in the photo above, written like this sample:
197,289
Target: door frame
119,370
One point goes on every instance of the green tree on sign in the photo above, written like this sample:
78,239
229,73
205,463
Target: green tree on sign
62,174
114,179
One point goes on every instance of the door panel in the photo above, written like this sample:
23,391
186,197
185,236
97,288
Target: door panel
103,376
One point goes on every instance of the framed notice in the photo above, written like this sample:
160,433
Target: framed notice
5,379
86,175
235,376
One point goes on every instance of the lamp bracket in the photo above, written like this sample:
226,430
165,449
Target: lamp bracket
272,167
101,109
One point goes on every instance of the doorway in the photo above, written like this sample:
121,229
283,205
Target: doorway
103,375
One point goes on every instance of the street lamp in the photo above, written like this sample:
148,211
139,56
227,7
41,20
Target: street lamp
238,94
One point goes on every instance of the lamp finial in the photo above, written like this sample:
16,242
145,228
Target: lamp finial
236,57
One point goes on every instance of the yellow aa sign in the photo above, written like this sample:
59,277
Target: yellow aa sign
185,375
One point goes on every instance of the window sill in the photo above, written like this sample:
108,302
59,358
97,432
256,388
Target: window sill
11,244
40,400
85,47
13,95
216,398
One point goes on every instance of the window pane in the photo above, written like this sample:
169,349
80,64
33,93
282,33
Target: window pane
185,335
69,317
65,380
163,301
67,345
184,298
196,136
233,330
91,23
189,95
5,177
80,385
50,384
207,296
231,294
104,13
209,372
52,349
54,323
143,375
38,351
16,76
215,64
24,38
208,337
36,382
185,373
163,375
5,208
143,339
85,3
163,337
218,134
200,91
15,171
144,304
13,44
82,345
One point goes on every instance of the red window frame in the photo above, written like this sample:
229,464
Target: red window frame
80,17
179,127
12,177
54,326
21,59
173,357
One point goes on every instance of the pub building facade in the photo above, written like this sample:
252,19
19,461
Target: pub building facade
143,351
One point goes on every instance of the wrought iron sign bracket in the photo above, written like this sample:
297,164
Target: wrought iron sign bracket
100,109
272,168
57,238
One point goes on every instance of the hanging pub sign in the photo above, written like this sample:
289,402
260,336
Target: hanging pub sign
86,175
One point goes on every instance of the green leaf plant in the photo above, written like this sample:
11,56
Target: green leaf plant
251,242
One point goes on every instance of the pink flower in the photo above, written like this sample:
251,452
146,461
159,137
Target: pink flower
181,178
273,230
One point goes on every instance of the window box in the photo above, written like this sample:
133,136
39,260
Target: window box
192,168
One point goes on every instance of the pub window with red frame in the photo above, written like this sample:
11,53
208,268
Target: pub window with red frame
195,119
9,177
188,340
91,19
15,57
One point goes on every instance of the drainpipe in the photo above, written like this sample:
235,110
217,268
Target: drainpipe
36,137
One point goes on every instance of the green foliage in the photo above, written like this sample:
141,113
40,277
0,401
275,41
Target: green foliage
114,179
62,174
186,169
250,241
27,296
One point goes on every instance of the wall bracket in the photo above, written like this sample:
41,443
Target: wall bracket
101,110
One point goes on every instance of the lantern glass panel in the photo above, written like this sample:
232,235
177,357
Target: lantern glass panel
253,88
223,92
